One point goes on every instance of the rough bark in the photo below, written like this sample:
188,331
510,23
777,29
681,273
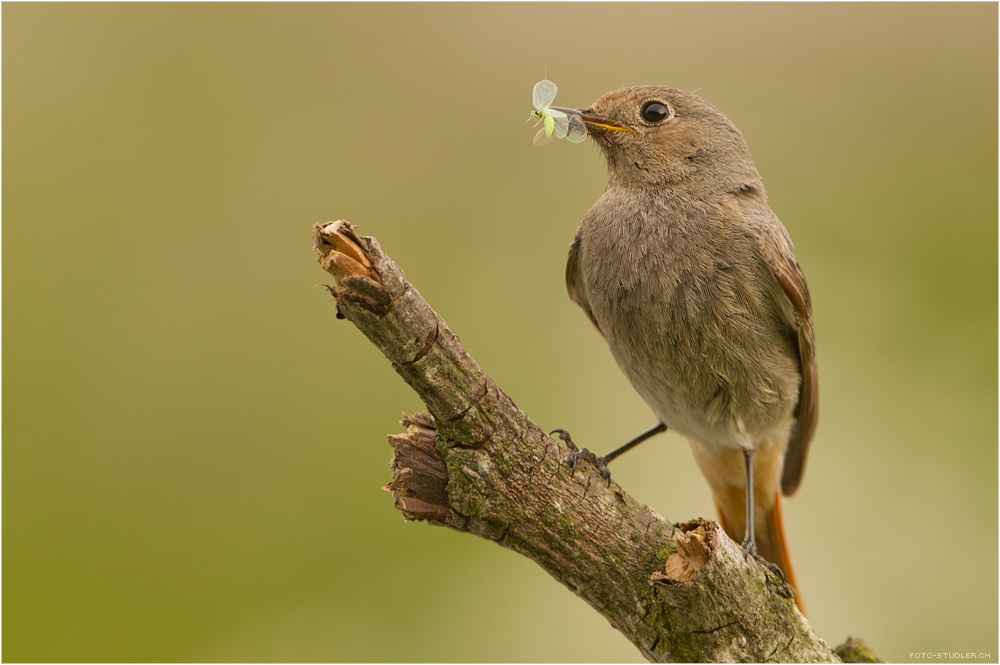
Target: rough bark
478,464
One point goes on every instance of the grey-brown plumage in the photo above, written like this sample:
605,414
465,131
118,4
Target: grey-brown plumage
693,282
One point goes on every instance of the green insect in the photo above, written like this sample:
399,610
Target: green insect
555,122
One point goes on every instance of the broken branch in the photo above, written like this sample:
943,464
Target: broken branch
476,463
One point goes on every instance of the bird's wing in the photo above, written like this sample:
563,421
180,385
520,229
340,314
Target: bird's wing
574,281
786,270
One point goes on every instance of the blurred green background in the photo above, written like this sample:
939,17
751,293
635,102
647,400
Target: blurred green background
193,445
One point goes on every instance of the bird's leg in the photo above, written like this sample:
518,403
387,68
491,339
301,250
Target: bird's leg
749,539
602,462
629,445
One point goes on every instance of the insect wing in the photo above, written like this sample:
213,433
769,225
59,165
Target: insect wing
561,123
541,138
577,130
543,94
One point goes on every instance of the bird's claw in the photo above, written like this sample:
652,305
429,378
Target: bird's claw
750,550
598,462
583,454
773,567
564,435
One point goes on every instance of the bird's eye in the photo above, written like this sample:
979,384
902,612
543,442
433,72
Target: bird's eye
654,112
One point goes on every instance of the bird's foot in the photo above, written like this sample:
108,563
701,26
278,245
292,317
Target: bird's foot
750,550
773,567
583,454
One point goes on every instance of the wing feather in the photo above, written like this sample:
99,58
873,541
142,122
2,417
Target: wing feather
574,281
793,282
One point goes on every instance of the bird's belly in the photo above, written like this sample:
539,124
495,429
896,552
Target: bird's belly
710,369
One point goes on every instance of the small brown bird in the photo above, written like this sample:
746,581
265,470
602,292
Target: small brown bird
693,282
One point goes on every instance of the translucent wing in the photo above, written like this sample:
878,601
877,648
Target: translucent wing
541,138
556,124
543,94
577,130
561,124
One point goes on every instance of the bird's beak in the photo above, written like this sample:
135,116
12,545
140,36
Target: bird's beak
594,121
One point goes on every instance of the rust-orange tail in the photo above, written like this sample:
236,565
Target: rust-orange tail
725,471
769,532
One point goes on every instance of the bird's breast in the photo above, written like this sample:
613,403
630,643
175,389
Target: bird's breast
689,312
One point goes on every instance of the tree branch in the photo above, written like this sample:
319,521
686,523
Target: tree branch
476,463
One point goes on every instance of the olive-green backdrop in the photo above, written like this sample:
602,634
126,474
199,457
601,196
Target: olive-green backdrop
193,446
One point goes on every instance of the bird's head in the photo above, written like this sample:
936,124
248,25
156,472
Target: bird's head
653,136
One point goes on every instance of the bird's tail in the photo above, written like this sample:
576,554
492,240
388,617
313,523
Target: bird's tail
770,537
726,474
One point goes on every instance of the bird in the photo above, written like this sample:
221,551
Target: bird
694,283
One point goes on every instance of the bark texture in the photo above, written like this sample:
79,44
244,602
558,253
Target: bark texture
476,463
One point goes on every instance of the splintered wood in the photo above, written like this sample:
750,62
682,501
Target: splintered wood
344,255
419,478
691,555
340,253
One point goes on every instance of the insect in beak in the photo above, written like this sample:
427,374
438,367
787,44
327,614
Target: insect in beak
594,121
